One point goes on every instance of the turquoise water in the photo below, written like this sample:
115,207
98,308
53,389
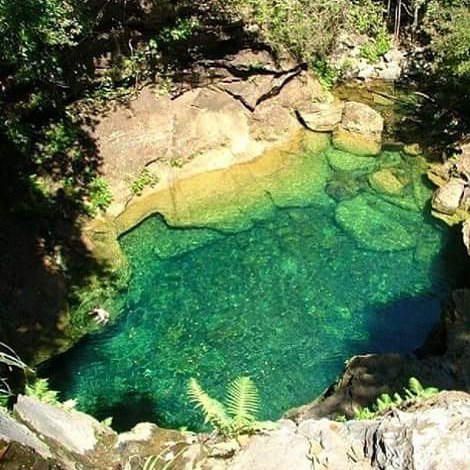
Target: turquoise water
286,300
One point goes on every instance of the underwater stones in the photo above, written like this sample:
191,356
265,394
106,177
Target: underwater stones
315,142
344,161
377,225
360,131
322,116
386,181
447,198
342,186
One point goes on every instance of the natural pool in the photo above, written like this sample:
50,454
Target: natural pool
300,261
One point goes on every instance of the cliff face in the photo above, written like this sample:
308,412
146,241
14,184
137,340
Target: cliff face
434,434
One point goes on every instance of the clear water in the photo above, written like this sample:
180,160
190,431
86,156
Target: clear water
285,292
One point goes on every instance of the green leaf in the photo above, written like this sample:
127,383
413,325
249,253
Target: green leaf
242,401
213,410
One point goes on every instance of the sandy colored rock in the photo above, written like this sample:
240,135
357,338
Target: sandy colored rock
385,181
321,117
447,198
360,130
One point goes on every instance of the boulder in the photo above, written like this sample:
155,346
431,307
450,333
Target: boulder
13,431
322,116
390,73
447,198
360,131
385,181
77,432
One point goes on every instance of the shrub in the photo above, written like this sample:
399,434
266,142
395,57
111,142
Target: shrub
146,178
446,25
414,393
99,197
376,48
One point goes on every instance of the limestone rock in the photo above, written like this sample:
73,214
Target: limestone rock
75,431
385,181
13,431
279,450
321,117
360,130
447,198
437,438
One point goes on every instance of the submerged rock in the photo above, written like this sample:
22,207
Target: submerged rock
386,181
344,161
377,225
360,131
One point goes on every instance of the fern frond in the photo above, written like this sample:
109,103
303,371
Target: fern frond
242,401
39,389
213,410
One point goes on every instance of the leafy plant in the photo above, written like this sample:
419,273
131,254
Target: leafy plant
415,392
237,415
146,178
99,197
326,74
40,390
372,51
10,359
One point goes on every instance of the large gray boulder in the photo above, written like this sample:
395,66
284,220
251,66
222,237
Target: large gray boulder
74,431
13,431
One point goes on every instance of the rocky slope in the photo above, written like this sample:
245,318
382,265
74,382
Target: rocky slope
434,434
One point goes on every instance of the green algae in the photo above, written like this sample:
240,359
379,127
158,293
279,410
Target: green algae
267,276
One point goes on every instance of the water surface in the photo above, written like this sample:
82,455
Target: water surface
288,274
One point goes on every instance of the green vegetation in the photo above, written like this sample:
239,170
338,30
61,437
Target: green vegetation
375,49
145,179
40,390
99,197
446,26
237,415
414,393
